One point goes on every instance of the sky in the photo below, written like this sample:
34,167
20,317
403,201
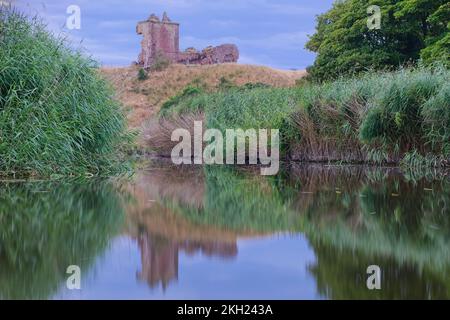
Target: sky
267,32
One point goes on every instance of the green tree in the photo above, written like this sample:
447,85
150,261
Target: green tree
438,41
409,29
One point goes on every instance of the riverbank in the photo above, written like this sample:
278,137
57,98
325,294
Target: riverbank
70,123
397,118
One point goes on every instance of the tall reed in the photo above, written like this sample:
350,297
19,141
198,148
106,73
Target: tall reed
56,114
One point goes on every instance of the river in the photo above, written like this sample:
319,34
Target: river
192,232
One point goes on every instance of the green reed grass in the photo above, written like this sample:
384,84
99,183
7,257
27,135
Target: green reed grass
379,117
56,114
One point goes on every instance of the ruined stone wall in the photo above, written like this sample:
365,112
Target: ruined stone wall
211,55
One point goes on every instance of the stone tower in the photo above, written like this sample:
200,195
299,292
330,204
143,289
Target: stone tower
160,37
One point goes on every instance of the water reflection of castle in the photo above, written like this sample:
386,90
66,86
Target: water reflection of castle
159,257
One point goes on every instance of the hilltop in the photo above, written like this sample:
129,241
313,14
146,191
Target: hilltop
143,99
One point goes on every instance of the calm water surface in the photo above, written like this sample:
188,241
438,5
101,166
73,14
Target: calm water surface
219,233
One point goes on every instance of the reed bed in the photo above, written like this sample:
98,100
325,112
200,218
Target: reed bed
400,117
57,116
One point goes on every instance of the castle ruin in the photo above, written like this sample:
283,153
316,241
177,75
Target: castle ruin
161,37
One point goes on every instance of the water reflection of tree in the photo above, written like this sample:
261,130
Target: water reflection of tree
45,227
392,217
340,274
358,217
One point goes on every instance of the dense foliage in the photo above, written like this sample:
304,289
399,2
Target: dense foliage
410,30
56,114
378,117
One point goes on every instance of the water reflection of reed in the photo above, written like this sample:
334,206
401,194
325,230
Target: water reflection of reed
382,213
46,227
354,214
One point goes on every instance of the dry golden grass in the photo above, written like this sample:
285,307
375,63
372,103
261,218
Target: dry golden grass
158,132
143,99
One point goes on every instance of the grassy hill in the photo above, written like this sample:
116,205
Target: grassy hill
143,99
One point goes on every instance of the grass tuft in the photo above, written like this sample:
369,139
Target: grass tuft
57,116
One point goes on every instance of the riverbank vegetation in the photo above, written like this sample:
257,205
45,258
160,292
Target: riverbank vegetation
400,117
57,116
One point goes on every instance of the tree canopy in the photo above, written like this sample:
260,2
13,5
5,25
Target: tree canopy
409,30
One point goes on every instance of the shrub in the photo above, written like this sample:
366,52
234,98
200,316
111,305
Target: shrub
188,92
142,75
225,84
56,114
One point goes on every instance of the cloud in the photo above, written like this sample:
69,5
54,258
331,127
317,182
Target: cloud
266,31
